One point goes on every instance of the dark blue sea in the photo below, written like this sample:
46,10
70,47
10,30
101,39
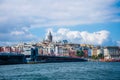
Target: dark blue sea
62,71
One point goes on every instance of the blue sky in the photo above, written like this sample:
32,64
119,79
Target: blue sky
81,21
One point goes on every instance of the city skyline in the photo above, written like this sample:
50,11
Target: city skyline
80,21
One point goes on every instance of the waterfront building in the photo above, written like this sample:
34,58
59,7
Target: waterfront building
51,49
56,50
89,52
40,50
45,51
6,49
2,49
94,51
100,50
112,52
24,48
10,49
61,50
72,53
85,52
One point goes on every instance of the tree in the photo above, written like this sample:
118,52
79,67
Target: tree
94,57
80,53
100,56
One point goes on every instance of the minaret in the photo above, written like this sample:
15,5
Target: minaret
49,37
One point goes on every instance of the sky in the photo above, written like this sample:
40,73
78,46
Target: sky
94,22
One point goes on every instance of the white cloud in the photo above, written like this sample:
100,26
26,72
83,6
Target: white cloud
18,16
16,36
96,38
118,43
58,12
8,43
17,33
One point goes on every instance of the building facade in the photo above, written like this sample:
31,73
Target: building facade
112,52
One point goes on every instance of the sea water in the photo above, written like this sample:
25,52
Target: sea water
62,71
